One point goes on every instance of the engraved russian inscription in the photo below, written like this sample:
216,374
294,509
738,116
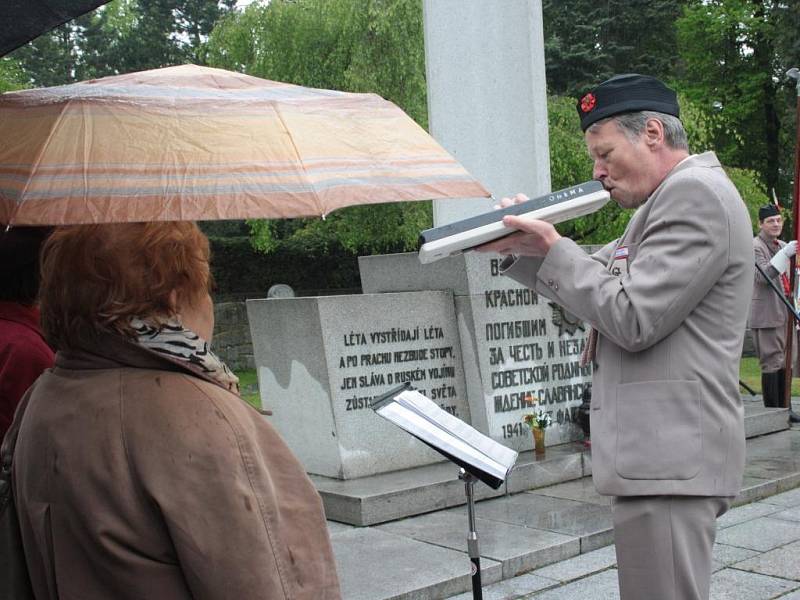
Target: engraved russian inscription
529,349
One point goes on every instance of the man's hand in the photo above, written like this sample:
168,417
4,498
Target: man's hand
533,238
781,259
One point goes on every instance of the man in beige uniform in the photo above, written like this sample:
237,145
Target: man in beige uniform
668,304
768,313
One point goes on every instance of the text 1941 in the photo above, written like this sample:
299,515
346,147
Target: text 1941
514,430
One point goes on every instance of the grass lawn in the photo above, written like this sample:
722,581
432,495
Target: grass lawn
748,373
751,375
248,385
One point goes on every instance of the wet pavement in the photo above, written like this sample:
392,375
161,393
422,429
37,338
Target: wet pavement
557,542
756,556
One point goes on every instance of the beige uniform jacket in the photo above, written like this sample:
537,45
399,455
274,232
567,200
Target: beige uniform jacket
136,479
766,308
667,415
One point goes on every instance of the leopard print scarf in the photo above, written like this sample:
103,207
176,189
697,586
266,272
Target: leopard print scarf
182,345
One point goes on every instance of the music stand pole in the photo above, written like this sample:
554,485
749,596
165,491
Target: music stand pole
472,537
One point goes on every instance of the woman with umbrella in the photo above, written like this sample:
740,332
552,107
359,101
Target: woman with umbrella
138,474
138,471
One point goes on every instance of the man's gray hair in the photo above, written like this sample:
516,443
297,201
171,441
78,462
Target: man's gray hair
632,125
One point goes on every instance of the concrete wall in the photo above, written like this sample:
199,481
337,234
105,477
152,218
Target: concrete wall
232,342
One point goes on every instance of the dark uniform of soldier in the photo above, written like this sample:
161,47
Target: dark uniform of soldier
768,313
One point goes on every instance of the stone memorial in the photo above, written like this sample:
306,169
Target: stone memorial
487,105
518,347
321,360
477,343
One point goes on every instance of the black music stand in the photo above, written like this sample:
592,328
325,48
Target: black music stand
480,457
472,534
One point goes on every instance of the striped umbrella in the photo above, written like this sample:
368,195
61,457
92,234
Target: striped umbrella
196,143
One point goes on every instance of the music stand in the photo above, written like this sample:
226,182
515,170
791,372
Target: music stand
479,456
472,534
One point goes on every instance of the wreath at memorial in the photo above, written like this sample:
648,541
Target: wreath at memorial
538,420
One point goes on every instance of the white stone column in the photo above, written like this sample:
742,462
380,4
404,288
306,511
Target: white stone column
487,101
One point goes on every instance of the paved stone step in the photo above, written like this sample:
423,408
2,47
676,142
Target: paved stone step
424,557
390,496
760,421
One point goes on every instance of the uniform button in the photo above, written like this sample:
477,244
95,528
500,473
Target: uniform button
555,286
550,282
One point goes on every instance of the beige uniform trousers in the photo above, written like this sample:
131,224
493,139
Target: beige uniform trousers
770,347
664,545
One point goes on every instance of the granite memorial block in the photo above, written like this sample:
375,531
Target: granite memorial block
520,351
321,360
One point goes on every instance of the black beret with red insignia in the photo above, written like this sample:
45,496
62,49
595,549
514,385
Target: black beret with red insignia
769,210
626,93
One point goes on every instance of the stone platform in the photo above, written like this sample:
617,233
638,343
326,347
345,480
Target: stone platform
390,496
548,538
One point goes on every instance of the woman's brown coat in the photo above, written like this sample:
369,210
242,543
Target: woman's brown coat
137,479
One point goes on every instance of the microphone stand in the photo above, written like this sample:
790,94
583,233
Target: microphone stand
787,403
778,291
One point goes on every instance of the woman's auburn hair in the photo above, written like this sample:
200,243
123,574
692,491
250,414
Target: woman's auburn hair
96,277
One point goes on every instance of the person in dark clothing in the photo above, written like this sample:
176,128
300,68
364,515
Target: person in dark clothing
768,314
24,354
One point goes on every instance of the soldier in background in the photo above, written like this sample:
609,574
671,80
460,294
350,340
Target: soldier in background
768,313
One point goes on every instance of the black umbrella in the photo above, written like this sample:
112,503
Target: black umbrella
23,20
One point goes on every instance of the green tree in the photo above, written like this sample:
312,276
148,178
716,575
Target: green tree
120,37
11,75
53,58
787,40
194,20
131,35
732,63
306,42
587,42
752,191
390,56
136,35
787,43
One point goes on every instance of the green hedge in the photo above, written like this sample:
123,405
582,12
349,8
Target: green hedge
240,272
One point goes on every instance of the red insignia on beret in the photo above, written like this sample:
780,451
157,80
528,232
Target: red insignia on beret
588,102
